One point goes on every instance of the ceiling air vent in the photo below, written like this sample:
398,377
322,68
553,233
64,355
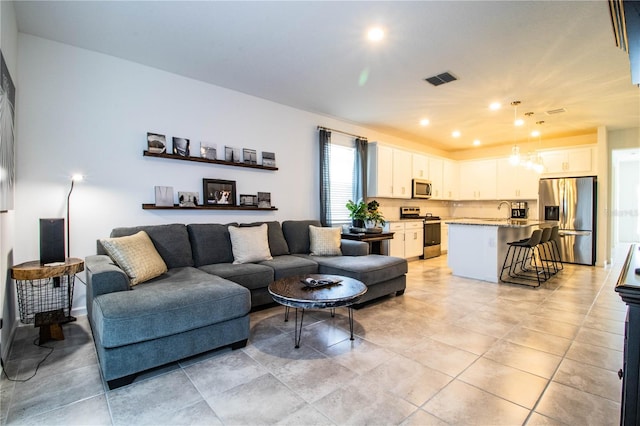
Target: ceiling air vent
556,111
445,77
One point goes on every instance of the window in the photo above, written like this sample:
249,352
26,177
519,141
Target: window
341,178
343,173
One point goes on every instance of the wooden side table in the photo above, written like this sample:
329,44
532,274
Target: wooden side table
45,294
374,240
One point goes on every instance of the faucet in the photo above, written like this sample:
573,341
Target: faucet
508,205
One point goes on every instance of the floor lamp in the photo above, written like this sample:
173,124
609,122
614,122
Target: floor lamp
74,178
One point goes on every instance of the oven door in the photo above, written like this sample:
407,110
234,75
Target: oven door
431,239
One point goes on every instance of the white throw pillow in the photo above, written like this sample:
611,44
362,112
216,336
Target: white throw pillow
250,244
136,255
324,241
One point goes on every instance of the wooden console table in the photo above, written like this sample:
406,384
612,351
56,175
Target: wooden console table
374,240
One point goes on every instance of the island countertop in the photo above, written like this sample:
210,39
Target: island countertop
503,223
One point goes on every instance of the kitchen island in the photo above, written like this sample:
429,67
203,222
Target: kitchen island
477,247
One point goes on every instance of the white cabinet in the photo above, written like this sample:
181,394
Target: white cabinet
401,174
568,161
516,182
408,239
389,172
380,171
435,176
413,239
420,166
450,180
478,180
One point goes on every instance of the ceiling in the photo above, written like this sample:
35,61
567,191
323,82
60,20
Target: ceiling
314,56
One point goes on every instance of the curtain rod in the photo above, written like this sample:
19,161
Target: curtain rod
340,131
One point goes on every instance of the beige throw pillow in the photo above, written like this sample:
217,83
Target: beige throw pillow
250,244
136,255
324,241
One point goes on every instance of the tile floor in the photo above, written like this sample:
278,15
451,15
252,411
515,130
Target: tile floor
450,351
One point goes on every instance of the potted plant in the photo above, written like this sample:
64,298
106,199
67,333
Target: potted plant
374,217
357,213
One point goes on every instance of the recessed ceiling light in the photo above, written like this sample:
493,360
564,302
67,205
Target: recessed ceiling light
535,133
456,133
494,106
477,142
375,34
424,122
518,122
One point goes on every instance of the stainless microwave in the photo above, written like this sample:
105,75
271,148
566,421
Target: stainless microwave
421,188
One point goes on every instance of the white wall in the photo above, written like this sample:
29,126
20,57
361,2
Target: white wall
85,112
9,46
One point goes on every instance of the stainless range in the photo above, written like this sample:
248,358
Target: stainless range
431,230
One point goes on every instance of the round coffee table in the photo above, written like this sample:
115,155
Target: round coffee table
293,293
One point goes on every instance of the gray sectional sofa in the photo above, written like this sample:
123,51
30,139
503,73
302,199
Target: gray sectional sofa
203,300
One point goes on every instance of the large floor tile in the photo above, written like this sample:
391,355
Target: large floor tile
467,340
460,403
537,340
576,407
93,411
264,400
440,356
585,377
160,396
527,359
598,356
506,382
42,394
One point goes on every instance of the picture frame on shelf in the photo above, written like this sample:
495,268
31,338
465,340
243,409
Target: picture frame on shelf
268,159
232,155
181,146
264,200
156,143
249,156
219,192
188,199
164,196
208,151
248,200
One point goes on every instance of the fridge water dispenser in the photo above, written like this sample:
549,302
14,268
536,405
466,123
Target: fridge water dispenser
552,213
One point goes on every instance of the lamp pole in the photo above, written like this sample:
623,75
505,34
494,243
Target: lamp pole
74,178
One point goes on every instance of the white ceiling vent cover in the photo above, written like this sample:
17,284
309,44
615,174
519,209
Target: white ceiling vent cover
445,77
556,111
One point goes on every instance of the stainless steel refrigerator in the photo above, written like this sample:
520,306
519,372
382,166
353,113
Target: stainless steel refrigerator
571,204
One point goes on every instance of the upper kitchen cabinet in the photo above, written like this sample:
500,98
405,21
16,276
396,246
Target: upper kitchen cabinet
577,161
516,182
436,178
478,180
380,171
450,180
420,166
389,172
401,174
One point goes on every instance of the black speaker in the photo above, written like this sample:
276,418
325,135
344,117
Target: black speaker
51,240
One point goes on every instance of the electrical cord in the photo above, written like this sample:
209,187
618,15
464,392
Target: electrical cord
37,366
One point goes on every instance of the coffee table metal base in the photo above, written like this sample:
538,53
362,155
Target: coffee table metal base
292,293
298,328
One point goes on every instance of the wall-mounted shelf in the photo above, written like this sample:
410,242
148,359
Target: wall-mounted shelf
215,207
206,160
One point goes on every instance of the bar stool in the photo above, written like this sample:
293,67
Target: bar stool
546,256
554,241
523,256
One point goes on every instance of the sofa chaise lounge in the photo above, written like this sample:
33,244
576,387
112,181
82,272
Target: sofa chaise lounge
202,299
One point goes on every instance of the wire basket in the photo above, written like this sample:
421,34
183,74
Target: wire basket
44,295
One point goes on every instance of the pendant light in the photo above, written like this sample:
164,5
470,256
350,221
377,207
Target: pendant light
514,159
